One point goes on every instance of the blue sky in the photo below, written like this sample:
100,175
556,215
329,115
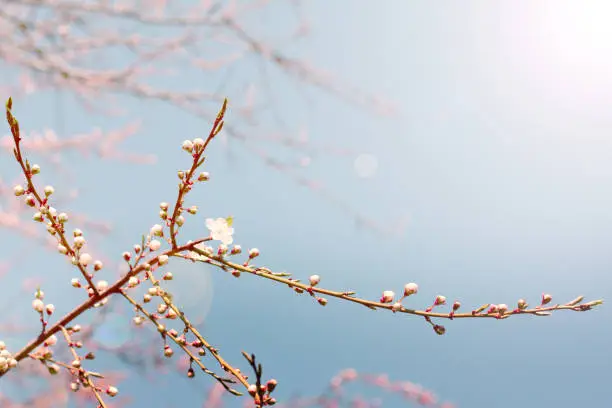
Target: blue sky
499,155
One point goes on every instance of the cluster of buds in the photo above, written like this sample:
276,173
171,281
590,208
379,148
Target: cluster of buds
263,393
388,296
6,359
41,308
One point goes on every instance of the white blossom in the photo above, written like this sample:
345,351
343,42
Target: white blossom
220,230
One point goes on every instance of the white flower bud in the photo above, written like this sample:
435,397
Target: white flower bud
154,245
38,305
314,280
19,190
162,259
51,341
198,143
133,282
50,308
156,230
187,146
79,241
387,296
85,259
102,285
410,289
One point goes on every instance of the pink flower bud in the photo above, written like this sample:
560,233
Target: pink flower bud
410,289
50,308
440,300
51,341
387,296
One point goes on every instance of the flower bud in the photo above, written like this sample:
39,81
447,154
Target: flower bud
204,176
187,146
102,285
546,298
440,300
19,190
314,280
387,296
49,190
271,385
85,259
79,241
198,143
253,253
154,245
38,305
410,289
156,230
50,308
30,200
133,282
